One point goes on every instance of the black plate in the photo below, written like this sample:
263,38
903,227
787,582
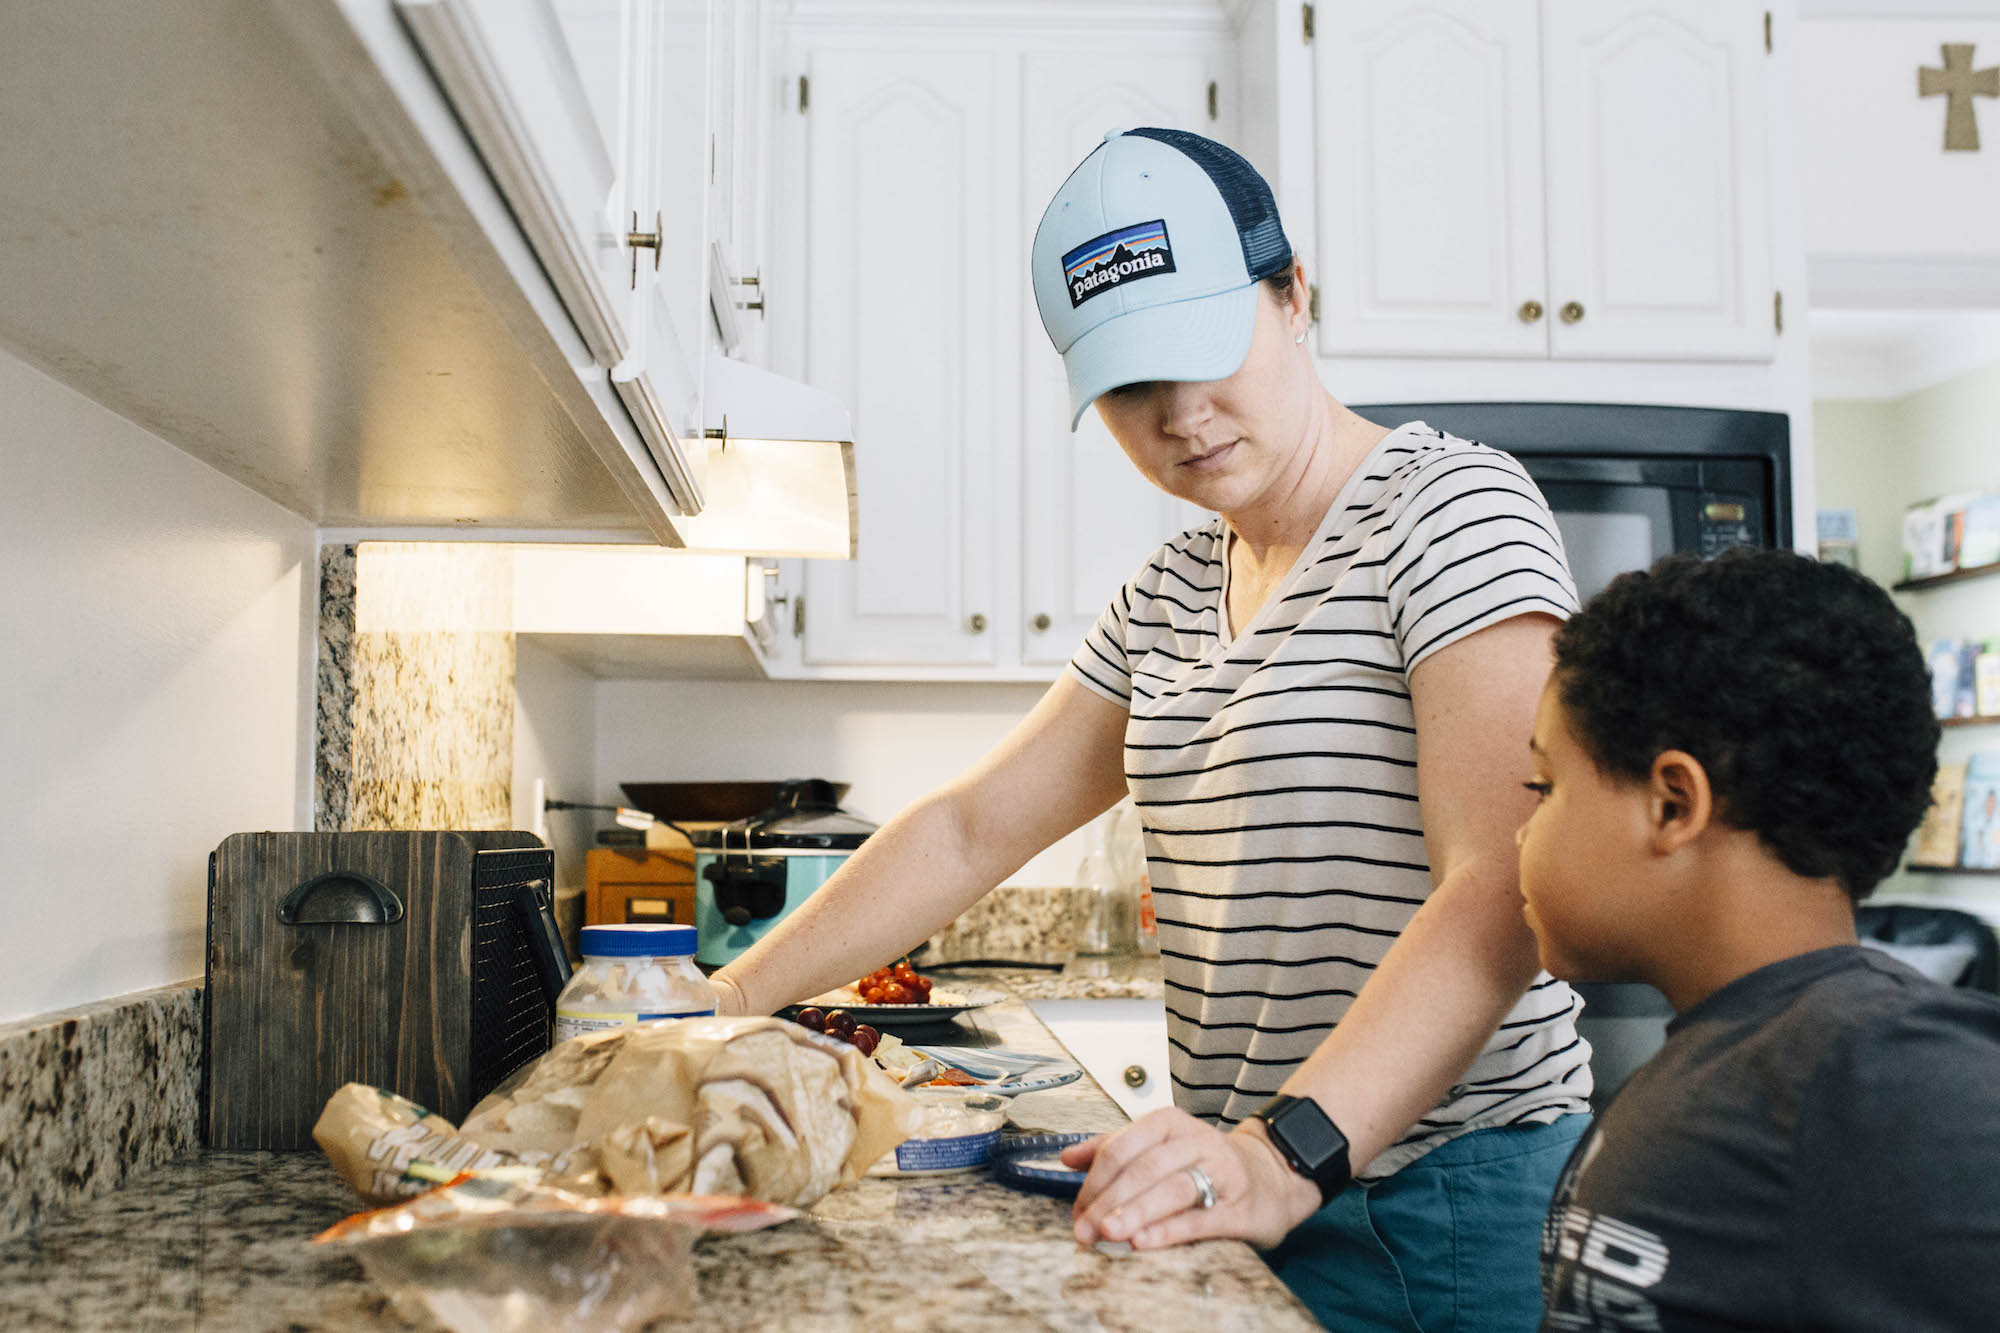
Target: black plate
899,1017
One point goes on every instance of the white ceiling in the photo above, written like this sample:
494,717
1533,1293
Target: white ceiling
1890,353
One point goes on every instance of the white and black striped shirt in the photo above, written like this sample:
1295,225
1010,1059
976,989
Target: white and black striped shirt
1276,774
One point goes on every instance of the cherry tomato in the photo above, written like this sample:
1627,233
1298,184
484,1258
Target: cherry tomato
812,1018
866,1039
840,1022
896,993
923,990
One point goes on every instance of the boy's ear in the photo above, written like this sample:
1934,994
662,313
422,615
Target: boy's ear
1680,803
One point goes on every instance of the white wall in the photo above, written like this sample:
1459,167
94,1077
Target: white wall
893,742
555,740
1877,458
155,650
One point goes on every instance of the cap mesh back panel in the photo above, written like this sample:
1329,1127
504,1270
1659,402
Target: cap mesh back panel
1251,207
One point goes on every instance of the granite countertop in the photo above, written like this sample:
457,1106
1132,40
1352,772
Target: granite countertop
1081,978
218,1241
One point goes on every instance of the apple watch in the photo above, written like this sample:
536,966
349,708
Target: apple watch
1309,1141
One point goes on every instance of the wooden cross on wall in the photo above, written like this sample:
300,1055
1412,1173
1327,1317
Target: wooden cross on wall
1958,82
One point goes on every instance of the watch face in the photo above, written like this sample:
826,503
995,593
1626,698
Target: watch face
1307,1131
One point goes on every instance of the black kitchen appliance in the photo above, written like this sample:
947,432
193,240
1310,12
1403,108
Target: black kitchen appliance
427,963
752,873
1629,484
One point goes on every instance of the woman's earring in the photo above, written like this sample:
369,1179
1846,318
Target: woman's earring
1300,340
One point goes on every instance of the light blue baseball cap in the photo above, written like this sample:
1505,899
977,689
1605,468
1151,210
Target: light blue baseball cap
1146,262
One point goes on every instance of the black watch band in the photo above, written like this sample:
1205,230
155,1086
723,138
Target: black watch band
1309,1141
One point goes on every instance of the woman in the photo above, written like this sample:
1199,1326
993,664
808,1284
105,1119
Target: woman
1321,704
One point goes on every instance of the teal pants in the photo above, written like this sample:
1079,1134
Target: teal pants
1449,1244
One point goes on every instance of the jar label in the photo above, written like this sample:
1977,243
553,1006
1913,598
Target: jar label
575,1022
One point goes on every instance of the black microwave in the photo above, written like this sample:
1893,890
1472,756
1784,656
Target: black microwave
1630,483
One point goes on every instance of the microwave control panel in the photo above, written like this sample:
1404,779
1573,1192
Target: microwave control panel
1726,521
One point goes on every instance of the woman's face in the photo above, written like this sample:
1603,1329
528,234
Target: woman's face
1224,445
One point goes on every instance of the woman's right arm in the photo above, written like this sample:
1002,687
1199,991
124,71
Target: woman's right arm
1063,765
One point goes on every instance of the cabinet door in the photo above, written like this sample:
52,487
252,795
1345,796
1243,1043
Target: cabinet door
1120,1043
545,89
1659,216
905,321
1087,517
1430,178
661,380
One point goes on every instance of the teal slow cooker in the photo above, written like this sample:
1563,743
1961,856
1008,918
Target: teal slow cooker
750,874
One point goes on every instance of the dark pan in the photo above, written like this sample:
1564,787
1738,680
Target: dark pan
708,802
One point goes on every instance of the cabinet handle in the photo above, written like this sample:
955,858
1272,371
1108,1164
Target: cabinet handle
1572,313
975,623
1530,311
644,240
1135,1076
1042,623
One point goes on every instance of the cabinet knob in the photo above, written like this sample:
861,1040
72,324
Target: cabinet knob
1572,313
975,623
1135,1076
1042,623
1530,311
644,240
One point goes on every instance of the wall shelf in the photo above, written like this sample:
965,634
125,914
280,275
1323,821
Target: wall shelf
1951,870
1987,720
1937,580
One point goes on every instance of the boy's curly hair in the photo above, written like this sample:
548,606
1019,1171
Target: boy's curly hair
1798,685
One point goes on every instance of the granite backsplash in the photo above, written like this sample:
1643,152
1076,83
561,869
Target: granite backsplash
93,1095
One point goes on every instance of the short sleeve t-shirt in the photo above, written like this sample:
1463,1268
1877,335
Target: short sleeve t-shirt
1275,773
1815,1146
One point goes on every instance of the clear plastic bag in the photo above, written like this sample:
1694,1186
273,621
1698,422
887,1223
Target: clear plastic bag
498,1252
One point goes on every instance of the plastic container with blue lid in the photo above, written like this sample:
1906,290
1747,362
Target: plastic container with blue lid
633,974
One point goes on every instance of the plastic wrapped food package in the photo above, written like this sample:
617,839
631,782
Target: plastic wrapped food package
750,1106
498,1252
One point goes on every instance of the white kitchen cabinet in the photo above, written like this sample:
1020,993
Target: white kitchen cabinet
1122,1044
1536,178
592,117
1658,207
1430,178
910,301
991,536
1088,518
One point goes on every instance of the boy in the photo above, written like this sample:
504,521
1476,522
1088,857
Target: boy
1728,755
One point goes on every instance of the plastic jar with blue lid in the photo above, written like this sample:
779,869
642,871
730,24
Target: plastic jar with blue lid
633,974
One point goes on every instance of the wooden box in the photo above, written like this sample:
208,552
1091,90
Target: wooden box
638,885
396,959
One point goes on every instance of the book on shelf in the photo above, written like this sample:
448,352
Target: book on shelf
1979,534
1937,837
1923,542
1979,839
1986,679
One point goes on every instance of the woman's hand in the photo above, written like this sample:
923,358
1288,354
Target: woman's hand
1141,1191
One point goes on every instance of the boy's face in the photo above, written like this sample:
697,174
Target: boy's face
1583,865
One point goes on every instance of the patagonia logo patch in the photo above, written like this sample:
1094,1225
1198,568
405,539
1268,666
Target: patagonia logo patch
1117,257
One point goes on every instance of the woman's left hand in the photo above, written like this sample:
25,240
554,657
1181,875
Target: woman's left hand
1141,1190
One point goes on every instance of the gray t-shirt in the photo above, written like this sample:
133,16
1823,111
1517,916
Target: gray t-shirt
1275,773
1816,1146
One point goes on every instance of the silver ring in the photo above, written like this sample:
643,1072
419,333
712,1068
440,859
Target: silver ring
1204,1188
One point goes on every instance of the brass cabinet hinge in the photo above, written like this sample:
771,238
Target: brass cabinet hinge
1306,20
805,93
1211,99
1778,310
1312,303
798,615
1767,32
